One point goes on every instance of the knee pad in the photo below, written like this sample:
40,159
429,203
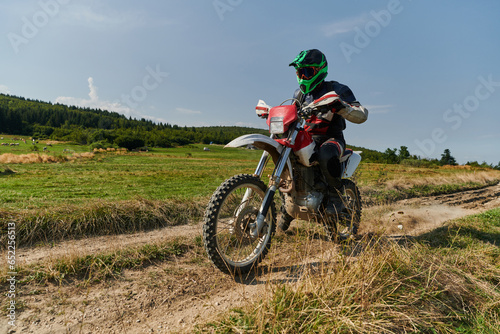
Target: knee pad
329,158
333,148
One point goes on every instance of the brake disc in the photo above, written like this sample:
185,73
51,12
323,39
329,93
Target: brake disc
243,224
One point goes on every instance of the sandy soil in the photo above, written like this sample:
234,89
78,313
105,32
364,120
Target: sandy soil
174,296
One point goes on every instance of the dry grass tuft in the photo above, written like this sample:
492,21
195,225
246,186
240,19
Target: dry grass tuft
97,218
405,186
406,181
33,158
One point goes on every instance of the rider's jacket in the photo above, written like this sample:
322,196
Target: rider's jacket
331,124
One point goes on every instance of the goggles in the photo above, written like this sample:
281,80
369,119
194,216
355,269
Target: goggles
307,73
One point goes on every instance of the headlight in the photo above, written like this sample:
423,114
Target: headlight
276,126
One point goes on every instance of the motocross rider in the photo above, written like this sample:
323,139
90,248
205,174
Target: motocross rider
326,127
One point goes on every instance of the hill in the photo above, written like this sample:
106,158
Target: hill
102,128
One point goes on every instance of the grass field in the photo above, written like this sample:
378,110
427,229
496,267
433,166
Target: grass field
75,176
180,173
67,191
444,281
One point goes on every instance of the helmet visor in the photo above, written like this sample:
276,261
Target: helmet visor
307,73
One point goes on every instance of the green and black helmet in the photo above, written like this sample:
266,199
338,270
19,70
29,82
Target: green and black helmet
311,67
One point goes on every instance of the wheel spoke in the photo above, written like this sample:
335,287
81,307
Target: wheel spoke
239,245
229,219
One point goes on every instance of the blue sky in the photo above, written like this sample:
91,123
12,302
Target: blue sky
427,71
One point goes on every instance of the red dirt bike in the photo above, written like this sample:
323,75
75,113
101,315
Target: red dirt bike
240,219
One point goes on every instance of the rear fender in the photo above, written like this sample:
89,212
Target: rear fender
264,143
351,164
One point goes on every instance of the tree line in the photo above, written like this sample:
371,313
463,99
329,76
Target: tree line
403,156
102,129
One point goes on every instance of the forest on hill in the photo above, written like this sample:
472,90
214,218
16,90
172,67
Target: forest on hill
102,129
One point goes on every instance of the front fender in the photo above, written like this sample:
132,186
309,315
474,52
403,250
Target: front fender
264,143
260,141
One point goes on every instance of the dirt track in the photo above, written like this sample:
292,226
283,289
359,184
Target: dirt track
175,296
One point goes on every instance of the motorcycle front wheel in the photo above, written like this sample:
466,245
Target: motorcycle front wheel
229,219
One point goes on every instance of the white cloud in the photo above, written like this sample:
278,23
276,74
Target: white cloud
101,17
152,118
382,109
93,90
185,111
4,89
344,26
94,102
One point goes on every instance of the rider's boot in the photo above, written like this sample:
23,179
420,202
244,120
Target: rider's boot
335,203
335,206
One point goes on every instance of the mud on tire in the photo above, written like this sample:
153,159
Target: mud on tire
228,221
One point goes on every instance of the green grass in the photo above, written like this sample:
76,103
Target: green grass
184,173
110,193
177,173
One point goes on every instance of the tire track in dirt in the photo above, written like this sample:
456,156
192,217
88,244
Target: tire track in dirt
175,296
102,244
419,215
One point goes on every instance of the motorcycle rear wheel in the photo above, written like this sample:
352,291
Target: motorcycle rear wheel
346,225
228,221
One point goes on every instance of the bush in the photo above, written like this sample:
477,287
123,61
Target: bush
419,163
129,142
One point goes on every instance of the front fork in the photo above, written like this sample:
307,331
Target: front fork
256,227
269,197
258,172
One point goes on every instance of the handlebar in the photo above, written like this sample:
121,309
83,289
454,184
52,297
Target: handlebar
318,106
309,111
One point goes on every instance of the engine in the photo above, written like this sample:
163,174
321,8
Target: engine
307,196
